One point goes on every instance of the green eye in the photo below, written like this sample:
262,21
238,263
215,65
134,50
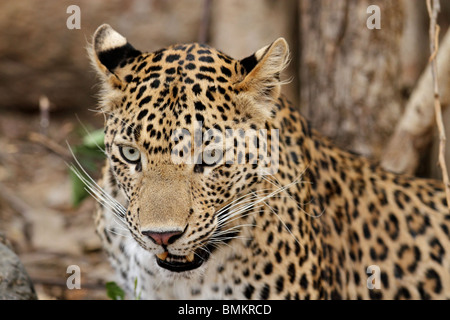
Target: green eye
130,154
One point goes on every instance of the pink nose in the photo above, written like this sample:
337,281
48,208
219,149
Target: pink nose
163,238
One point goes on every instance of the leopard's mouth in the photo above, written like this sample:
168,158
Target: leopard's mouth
194,260
176,263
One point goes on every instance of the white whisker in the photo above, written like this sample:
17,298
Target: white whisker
98,193
284,224
248,205
90,135
114,231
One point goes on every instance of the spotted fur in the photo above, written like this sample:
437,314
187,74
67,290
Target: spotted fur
314,229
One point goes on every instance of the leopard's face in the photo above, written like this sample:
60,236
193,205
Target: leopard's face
183,140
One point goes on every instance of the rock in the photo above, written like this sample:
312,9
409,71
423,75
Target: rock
15,284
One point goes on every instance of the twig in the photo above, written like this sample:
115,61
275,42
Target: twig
21,207
63,284
50,145
44,108
433,11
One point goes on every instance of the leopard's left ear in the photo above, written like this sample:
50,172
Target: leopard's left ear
261,83
109,49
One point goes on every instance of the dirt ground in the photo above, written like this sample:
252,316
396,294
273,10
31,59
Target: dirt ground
36,213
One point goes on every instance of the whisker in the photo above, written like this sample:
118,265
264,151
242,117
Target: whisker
101,196
238,214
284,224
230,230
119,234
233,203
98,193
90,135
247,205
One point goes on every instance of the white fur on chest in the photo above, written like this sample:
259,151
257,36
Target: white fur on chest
132,262
154,282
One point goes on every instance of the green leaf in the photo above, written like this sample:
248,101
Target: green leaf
114,292
136,296
88,154
94,139
79,192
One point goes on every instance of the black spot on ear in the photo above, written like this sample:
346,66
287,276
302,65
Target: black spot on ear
111,58
249,63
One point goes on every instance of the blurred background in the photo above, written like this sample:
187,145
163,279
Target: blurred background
368,90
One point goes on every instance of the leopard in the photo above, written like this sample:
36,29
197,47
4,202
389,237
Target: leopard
282,213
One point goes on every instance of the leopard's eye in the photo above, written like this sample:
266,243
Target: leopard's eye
130,154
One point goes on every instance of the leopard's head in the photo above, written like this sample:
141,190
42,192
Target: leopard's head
185,131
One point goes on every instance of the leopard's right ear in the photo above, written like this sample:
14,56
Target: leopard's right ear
108,51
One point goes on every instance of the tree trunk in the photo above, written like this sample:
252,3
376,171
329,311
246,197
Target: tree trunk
239,28
349,73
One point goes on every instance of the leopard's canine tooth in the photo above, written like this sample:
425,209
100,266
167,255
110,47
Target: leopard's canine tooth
163,256
190,257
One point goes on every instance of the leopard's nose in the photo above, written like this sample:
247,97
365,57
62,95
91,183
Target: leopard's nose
163,238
